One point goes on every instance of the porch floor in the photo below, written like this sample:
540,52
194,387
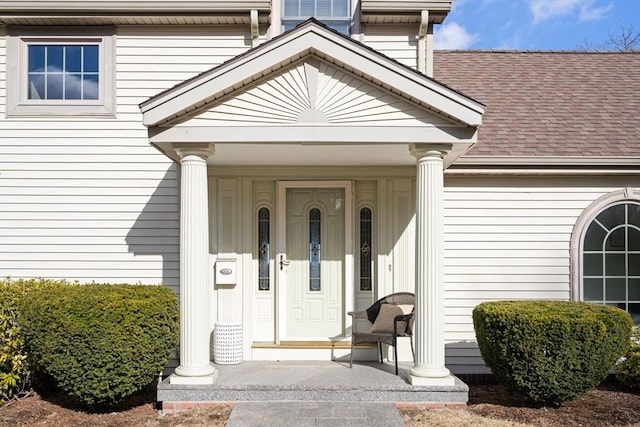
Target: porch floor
305,381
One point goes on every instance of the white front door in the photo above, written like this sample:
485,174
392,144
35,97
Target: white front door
312,260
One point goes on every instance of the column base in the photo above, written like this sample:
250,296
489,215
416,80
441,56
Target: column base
449,380
206,376
419,375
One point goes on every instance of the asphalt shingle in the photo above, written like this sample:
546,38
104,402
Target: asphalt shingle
550,103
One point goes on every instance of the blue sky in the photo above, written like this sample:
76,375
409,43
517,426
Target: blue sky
535,24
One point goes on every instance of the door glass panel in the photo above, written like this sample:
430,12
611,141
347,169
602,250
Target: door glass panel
263,249
314,249
365,249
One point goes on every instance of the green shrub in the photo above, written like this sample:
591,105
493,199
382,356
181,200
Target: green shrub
14,372
550,351
101,343
628,371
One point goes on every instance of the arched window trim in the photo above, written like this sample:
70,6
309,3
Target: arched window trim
626,195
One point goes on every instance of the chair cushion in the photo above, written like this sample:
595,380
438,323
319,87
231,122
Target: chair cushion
388,312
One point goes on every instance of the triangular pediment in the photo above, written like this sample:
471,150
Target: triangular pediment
311,75
319,93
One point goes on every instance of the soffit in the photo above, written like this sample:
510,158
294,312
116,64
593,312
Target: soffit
403,11
75,6
124,12
132,19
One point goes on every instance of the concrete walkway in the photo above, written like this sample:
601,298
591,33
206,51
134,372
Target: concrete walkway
305,414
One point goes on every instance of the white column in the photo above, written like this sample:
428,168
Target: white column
195,276
429,368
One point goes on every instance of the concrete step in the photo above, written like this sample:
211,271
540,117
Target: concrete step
312,381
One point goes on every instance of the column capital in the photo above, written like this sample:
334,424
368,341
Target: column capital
194,149
430,150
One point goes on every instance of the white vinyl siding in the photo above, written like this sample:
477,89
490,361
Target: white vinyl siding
398,42
3,76
91,200
507,238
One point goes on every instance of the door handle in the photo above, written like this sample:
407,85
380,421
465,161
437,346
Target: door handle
283,262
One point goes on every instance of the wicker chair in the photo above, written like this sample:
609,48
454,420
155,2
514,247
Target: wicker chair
388,323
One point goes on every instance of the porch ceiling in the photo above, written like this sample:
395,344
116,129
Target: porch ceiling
318,155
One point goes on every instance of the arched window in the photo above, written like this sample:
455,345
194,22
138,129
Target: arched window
610,257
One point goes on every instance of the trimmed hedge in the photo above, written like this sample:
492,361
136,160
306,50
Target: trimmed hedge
101,343
14,370
628,371
550,351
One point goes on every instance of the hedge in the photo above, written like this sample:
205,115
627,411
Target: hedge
550,351
101,343
14,371
628,371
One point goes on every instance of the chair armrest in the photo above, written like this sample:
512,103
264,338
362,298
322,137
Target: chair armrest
402,318
358,314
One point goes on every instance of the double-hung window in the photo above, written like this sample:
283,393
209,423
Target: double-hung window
334,13
51,73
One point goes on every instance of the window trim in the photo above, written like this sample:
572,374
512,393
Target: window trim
626,195
18,40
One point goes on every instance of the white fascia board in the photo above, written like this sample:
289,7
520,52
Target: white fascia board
314,135
123,6
547,161
542,171
291,47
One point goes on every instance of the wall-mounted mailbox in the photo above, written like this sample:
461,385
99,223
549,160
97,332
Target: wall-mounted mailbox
226,272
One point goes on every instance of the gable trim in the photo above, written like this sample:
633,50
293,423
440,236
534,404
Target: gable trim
310,38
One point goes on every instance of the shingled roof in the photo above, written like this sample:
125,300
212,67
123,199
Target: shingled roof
550,103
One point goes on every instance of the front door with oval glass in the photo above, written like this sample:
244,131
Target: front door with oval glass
310,263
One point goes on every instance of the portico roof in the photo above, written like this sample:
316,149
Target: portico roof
312,87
